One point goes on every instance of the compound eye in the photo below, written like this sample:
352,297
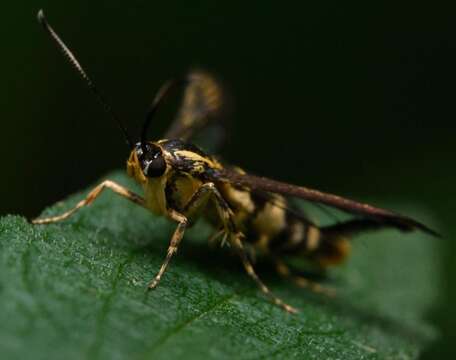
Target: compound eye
152,162
155,167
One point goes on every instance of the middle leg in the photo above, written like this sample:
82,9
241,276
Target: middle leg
235,239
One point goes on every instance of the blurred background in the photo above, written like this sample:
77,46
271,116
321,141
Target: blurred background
356,99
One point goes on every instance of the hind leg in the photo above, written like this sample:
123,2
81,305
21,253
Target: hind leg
252,273
286,272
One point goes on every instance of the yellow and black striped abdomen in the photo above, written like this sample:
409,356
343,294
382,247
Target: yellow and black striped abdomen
273,227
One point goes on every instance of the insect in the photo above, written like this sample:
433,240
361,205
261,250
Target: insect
252,214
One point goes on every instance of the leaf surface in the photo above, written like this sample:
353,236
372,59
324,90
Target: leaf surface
76,290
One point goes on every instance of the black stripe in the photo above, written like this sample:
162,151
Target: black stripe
170,192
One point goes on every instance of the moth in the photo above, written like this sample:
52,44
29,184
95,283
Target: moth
252,214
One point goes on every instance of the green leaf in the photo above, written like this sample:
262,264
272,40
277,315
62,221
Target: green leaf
76,290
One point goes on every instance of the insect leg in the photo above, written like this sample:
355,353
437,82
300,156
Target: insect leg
251,272
284,270
198,200
196,203
226,215
173,245
118,189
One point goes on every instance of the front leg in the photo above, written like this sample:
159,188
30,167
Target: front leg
197,202
173,245
118,189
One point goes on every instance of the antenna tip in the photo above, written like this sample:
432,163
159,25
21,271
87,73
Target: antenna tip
40,16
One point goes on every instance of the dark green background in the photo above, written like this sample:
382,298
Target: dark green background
349,98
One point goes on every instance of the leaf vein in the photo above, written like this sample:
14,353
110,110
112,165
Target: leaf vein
180,327
100,328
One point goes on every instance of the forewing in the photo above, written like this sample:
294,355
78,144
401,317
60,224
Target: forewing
382,216
201,107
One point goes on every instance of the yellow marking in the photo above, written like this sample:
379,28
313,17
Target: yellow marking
339,251
271,220
196,157
241,198
262,243
185,188
154,192
313,238
297,234
344,247
134,169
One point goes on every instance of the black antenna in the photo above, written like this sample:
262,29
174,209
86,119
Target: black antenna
75,63
161,94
